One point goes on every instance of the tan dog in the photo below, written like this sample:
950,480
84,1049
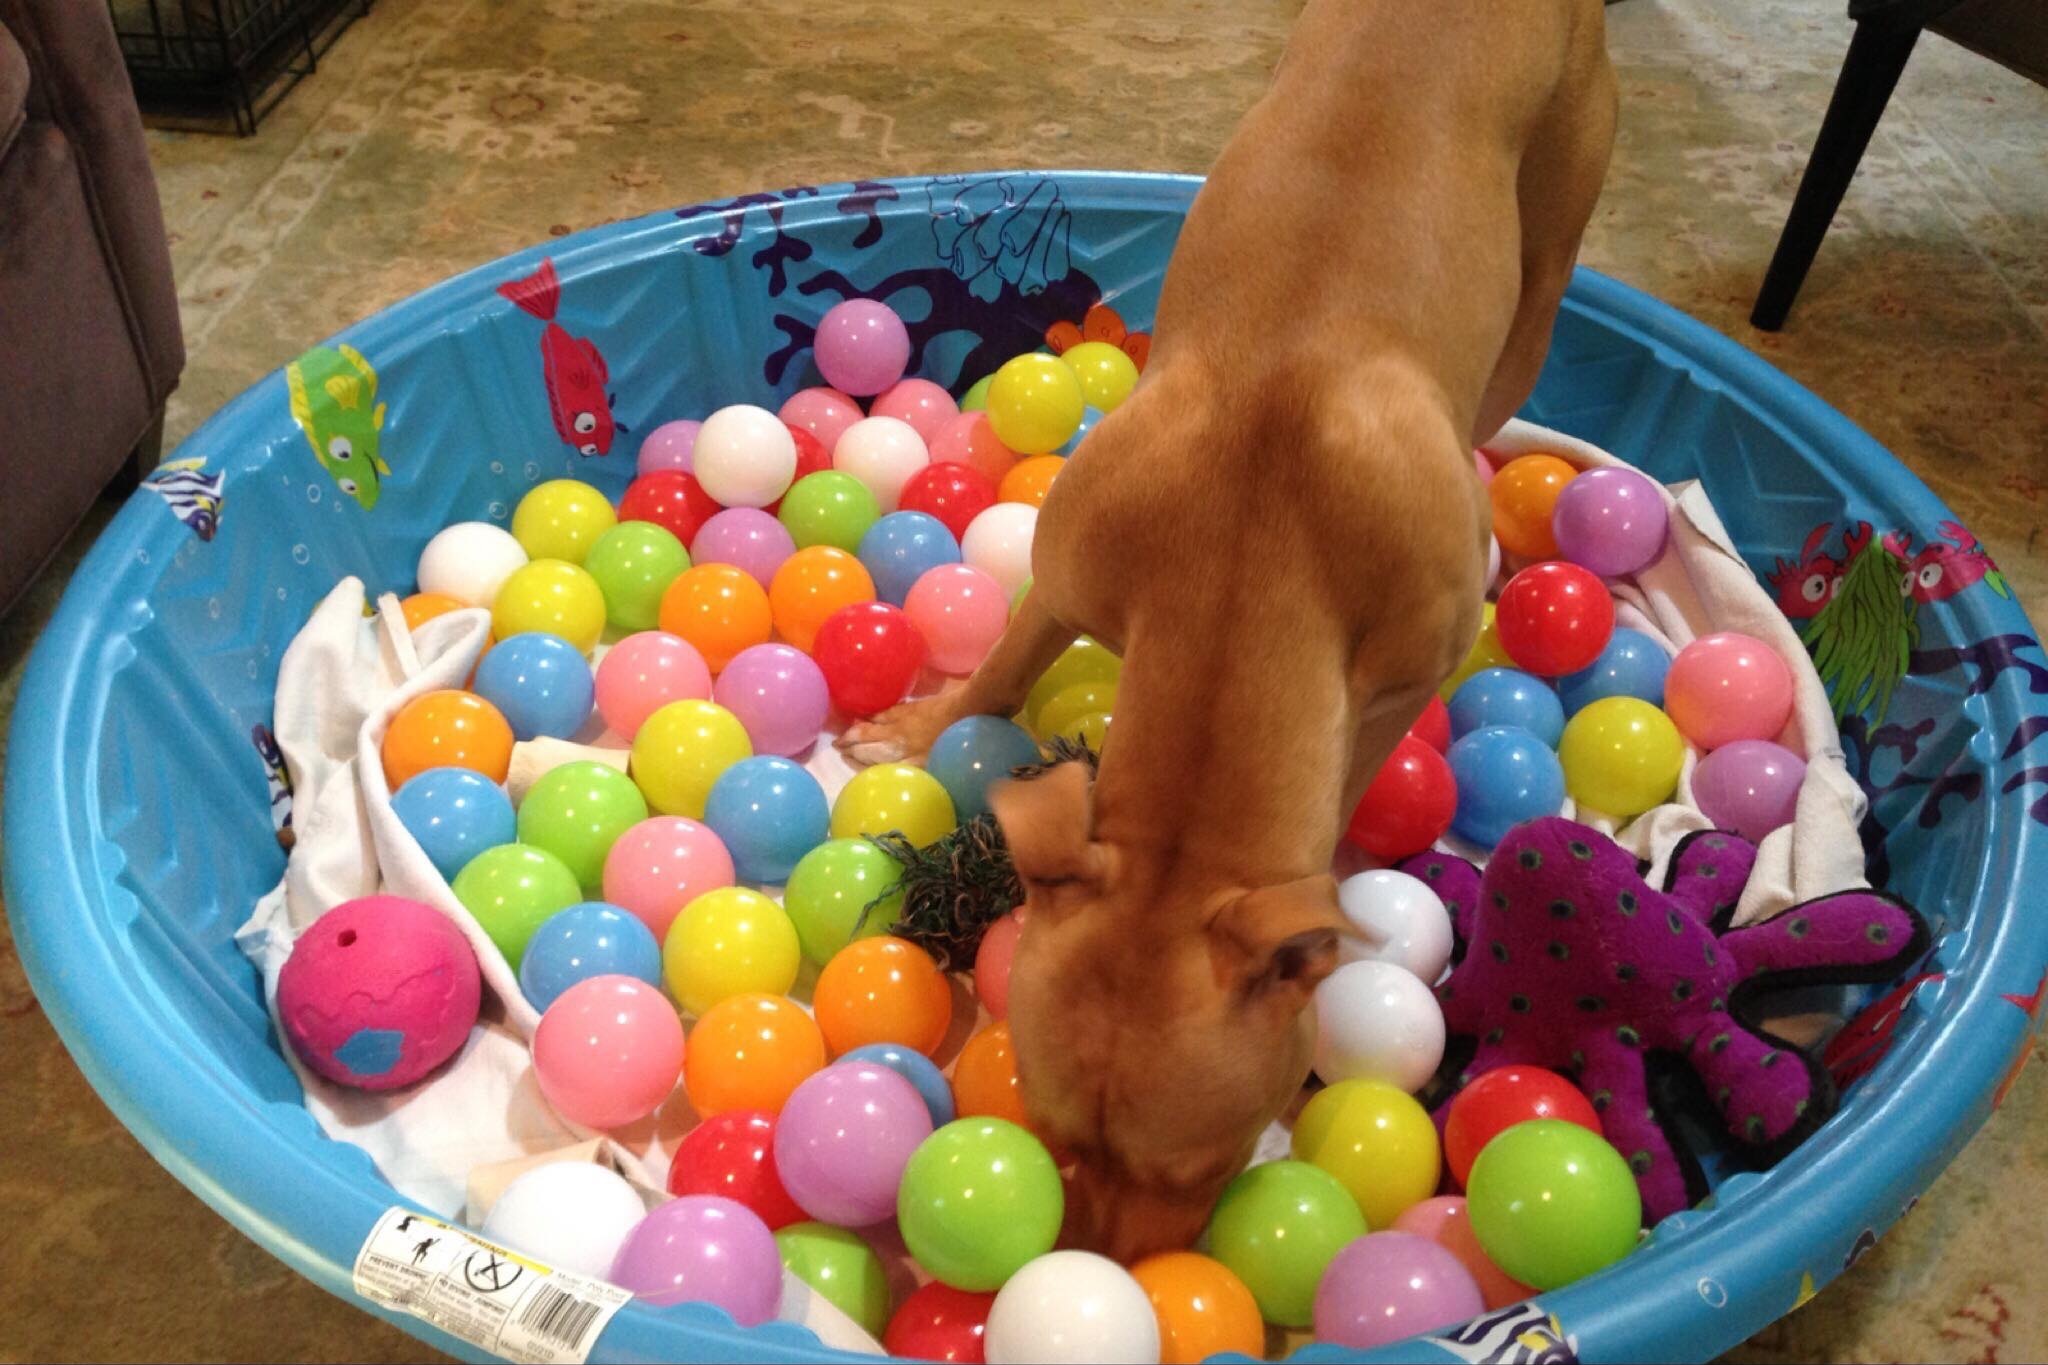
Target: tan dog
1281,534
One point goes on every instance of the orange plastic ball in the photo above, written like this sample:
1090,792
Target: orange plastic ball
1029,480
749,1052
883,990
1524,493
812,584
1202,1307
719,609
446,729
985,1077
423,607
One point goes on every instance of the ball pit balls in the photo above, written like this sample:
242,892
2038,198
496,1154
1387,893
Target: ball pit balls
719,609
1554,618
951,493
733,1155
1277,1227
998,542
961,612
1388,1286
811,458
862,347
745,457
973,754
1497,1100
1376,1021
922,1073
810,586
608,1051
703,1249
511,890
1082,661
454,814
924,405
749,1052
469,562
662,864
1408,804
992,963
941,1323
747,538
1632,665
884,454
378,992
843,1139
1072,1308
446,729
1507,696
1379,1143
1621,757
824,412
1402,916
1524,492
1486,652
1611,521
1106,373
1070,704
829,508
577,811
561,519
976,397
1091,730
1728,686
778,694
1034,403
1750,786
667,448
574,1215
732,942
902,548
1202,1308
882,990
675,502
985,1077
1433,726
893,798
980,1198
540,683
550,595
871,656
1029,480
1504,776
633,564
830,891
969,439
1444,1221
1551,1203
645,672
681,750
841,1268
587,939
423,607
769,812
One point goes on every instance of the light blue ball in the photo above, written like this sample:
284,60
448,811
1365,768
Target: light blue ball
902,548
770,812
541,682
1505,776
454,814
1632,665
916,1068
1090,415
972,754
582,941
1507,696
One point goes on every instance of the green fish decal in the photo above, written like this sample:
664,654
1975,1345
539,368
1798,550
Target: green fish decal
334,401
1862,641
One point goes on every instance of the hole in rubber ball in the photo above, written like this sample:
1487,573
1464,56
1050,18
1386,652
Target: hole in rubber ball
347,938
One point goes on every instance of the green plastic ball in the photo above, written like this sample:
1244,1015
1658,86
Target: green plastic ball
840,1266
1551,1203
1017,597
829,508
511,889
577,812
830,887
1277,1227
979,1198
633,564
976,397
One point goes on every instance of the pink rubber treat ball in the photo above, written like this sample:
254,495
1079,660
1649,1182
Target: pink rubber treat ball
923,404
825,413
1728,686
660,865
668,448
862,347
608,1051
645,672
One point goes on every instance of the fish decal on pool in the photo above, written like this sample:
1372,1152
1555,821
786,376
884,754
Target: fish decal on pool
279,778
572,367
194,496
1524,1334
334,401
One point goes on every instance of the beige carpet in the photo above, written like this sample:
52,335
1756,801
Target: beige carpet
441,133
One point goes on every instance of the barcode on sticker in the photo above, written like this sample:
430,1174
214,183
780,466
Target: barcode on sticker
558,1316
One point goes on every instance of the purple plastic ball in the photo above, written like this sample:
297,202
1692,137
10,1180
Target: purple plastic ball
843,1139
1611,521
1389,1286
1750,786
703,1248
862,347
779,695
669,449
747,538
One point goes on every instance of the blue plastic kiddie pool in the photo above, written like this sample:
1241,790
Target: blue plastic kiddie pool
139,811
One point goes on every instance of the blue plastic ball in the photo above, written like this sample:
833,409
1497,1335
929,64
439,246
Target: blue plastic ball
901,548
541,682
454,814
1505,775
918,1069
1090,415
969,755
770,812
1507,696
1632,665
582,941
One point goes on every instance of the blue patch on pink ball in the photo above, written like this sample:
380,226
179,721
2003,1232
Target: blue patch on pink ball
371,1051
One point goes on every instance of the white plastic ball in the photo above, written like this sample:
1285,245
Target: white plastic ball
1071,1306
1376,1022
571,1214
1492,561
883,453
744,456
1401,915
998,542
470,561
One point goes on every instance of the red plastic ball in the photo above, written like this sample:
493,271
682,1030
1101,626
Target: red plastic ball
954,493
811,457
1554,618
1501,1098
870,654
733,1154
1433,726
669,499
1409,804
939,1322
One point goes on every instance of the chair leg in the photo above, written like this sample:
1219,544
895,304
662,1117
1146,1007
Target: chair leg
1877,54
142,460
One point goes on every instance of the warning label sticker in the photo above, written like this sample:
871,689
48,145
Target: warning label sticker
490,1296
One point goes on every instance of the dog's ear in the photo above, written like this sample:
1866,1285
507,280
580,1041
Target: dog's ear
1281,941
1048,822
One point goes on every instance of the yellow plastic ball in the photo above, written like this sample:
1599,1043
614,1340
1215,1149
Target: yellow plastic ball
1377,1141
1034,403
732,941
893,796
1083,661
680,751
1091,730
1107,375
551,595
1486,652
1069,704
562,519
1621,756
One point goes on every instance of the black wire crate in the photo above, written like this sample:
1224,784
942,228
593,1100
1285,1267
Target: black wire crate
216,64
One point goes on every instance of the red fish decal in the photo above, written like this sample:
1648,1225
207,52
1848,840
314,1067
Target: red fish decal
1863,1042
1810,584
574,369
1940,571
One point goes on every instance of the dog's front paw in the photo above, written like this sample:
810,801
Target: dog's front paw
902,734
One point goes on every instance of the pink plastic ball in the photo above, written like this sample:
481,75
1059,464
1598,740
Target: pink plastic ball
992,964
378,992
608,1051
747,538
923,404
968,439
660,865
1483,467
645,672
1728,686
1611,521
862,347
843,1138
1388,1286
1750,786
703,1248
825,413
961,612
778,693
668,448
